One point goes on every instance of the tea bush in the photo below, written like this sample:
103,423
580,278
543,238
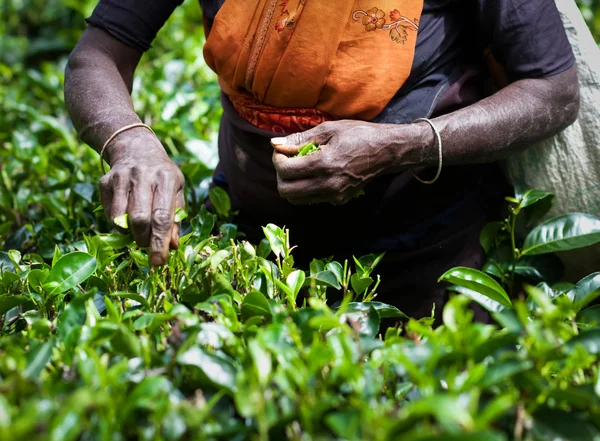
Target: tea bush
229,340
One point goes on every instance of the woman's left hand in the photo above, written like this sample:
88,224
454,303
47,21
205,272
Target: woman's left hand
350,154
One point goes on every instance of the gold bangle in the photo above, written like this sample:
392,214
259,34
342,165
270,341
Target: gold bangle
117,133
438,138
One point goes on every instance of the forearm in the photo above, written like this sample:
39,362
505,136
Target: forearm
97,95
514,118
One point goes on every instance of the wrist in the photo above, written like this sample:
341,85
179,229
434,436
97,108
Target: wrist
412,145
133,143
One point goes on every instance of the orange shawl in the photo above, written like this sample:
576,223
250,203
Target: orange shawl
288,65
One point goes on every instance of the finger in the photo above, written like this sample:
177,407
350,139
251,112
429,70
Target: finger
297,168
120,196
301,188
106,195
336,199
290,144
163,214
288,150
175,230
140,210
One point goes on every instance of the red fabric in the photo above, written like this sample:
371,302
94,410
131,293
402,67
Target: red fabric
278,120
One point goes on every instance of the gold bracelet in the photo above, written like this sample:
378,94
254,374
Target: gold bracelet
438,138
114,135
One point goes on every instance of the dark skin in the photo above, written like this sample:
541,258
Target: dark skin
147,185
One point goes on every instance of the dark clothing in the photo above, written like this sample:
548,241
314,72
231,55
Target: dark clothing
527,37
425,229
394,216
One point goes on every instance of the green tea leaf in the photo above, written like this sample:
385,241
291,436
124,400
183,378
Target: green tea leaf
70,270
132,296
479,282
585,292
489,234
180,214
116,241
307,149
589,317
255,304
501,372
8,302
295,281
337,269
486,302
563,233
122,221
589,340
327,278
530,197
553,424
276,238
37,359
126,342
360,283
217,370
384,310
220,200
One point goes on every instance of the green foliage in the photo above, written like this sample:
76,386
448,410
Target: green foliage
591,12
223,343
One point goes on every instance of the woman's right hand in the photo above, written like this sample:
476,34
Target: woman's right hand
144,183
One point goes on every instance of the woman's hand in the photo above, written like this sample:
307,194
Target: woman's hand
144,183
351,153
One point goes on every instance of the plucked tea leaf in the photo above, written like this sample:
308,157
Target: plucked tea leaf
122,221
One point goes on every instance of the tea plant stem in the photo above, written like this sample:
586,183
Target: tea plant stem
520,422
513,221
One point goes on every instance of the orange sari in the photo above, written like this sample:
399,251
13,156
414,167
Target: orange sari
289,65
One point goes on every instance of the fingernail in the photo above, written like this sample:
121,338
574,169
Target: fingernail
278,141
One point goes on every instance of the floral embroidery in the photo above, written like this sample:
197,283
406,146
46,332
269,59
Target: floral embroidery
373,19
283,21
287,20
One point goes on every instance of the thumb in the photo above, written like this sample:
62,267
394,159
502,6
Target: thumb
291,144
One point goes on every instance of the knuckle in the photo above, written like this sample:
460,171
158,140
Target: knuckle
163,175
295,138
136,171
119,177
161,218
139,218
282,188
105,181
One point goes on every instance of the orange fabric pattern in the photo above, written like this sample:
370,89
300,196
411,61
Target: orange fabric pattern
313,60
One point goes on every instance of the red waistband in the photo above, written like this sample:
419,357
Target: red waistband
278,119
